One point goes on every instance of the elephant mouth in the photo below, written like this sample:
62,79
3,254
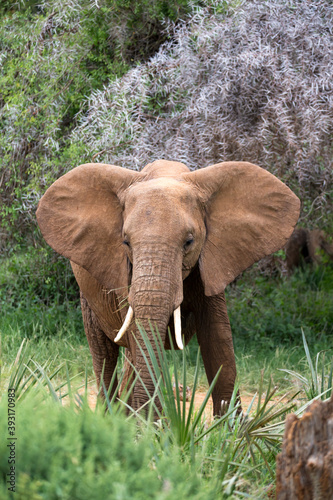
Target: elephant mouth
177,324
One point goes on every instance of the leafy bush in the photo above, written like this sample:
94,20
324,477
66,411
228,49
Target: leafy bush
36,276
272,312
39,297
83,455
54,54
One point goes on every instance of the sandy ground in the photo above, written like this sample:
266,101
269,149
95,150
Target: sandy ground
246,400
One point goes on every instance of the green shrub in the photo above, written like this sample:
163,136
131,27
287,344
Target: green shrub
53,55
39,300
39,295
82,455
36,276
273,311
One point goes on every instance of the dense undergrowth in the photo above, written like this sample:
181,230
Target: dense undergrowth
229,459
64,449
39,299
272,312
37,281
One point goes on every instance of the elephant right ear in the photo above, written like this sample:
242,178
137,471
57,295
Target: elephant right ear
80,217
249,214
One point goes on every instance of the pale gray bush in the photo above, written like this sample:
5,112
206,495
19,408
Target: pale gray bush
255,85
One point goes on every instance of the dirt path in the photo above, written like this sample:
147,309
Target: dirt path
246,400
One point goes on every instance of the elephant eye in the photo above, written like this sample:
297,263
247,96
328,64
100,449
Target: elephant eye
188,243
127,243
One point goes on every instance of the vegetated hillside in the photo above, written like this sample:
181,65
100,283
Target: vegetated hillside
238,81
54,54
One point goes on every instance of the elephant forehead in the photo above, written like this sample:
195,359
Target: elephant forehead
163,203
159,193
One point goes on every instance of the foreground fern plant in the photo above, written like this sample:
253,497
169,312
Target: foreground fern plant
243,443
186,425
27,375
232,452
318,384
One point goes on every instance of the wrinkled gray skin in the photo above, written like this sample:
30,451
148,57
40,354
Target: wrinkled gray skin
161,238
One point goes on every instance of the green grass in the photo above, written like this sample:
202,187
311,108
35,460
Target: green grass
66,450
232,458
64,346
272,312
69,345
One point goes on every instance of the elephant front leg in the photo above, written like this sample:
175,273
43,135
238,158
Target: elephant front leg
216,345
104,352
128,378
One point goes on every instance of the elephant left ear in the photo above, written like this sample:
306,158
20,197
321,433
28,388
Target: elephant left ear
249,214
81,217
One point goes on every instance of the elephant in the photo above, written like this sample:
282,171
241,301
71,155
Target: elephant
158,247
304,245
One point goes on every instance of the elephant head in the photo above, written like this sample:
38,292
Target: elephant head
142,233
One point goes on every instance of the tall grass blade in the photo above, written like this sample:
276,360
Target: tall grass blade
47,381
314,380
330,380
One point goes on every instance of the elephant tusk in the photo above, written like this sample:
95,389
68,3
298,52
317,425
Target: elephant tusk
178,327
126,324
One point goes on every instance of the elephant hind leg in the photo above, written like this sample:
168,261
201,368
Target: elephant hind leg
102,349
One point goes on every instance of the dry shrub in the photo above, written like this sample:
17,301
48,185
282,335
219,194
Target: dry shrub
254,85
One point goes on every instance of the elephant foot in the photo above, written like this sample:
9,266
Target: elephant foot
181,392
225,406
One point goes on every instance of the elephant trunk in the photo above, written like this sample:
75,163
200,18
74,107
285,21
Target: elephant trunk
156,291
